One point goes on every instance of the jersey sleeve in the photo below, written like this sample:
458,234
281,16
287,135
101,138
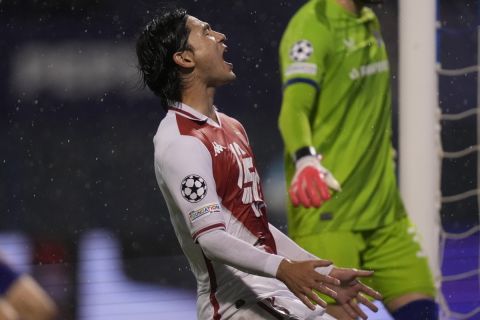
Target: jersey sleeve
303,54
222,247
294,119
185,167
304,49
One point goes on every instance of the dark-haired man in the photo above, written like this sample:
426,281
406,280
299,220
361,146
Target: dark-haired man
245,268
336,102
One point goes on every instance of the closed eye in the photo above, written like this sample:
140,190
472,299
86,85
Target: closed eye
206,29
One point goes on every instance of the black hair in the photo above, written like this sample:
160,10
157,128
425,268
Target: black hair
166,34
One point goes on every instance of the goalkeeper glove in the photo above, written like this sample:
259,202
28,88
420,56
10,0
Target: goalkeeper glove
311,181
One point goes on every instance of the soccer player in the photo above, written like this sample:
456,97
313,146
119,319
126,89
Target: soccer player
21,298
245,268
336,127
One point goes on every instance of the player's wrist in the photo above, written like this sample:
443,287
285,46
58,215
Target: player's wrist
306,161
272,265
281,268
306,156
307,151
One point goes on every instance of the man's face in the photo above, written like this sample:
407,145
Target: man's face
208,48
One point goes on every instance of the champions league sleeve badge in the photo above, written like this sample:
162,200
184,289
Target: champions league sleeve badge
193,188
301,50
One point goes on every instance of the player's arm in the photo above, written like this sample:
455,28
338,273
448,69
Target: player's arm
300,277
184,167
301,271
310,184
203,213
303,51
348,291
299,97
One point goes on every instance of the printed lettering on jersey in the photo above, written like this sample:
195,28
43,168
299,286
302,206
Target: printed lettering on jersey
204,212
193,188
301,51
248,178
369,69
301,67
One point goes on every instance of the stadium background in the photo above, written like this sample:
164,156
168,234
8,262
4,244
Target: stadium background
76,133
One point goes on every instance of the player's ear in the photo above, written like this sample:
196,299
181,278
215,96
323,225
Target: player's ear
184,59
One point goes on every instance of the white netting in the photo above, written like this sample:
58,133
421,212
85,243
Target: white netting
459,296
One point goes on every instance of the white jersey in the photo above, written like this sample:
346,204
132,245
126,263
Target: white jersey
206,172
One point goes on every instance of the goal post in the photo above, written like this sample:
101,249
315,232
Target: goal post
420,149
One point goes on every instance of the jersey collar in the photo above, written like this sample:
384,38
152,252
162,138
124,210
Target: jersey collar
188,112
337,11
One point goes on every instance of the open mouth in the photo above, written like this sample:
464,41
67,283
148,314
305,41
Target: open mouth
225,50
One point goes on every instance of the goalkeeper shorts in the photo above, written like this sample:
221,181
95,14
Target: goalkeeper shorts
392,251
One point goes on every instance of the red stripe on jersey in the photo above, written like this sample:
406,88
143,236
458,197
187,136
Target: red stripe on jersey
199,232
227,166
213,289
231,194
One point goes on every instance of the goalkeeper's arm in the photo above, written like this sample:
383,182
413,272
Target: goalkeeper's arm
309,186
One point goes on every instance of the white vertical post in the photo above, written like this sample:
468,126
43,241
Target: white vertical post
420,151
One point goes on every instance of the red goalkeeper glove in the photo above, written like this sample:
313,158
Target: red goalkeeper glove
309,187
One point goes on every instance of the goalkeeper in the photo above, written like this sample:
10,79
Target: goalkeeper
335,115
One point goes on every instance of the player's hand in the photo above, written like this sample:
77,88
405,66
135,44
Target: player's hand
310,183
301,278
351,292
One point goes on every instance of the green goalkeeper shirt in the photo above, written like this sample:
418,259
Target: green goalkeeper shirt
337,98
